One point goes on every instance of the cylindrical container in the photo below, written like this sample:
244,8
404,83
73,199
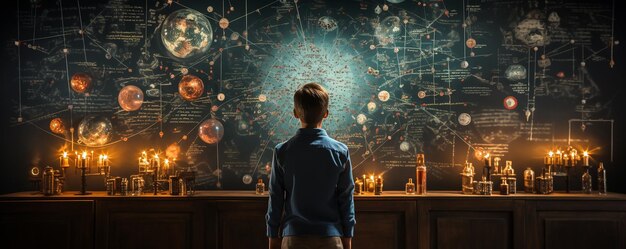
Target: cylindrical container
475,188
358,186
378,189
512,181
467,179
601,179
485,187
58,186
183,187
421,175
118,185
586,182
124,187
48,181
529,180
136,185
110,186
174,188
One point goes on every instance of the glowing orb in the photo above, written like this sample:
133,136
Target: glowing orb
80,82
186,33
211,131
130,98
95,130
190,87
57,126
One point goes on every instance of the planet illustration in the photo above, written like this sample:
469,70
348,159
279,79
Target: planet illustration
190,87
130,98
80,82
186,34
95,130
57,126
211,131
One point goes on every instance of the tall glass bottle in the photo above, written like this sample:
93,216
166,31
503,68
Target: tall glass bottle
586,181
421,175
601,179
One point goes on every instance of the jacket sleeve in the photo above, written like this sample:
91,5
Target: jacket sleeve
345,189
276,198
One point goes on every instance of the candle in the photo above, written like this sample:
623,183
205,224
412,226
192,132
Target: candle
105,160
487,160
65,160
586,158
559,157
550,157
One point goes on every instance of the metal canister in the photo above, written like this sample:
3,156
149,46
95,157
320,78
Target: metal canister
136,185
183,186
174,188
48,181
529,180
110,186
124,187
512,181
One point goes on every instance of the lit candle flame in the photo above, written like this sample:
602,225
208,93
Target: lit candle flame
585,153
550,153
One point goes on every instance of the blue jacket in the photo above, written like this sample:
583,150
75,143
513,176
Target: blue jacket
311,183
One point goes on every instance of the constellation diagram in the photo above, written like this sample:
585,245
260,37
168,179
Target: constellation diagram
210,85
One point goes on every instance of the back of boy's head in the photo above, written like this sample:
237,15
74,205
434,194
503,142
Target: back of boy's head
311,103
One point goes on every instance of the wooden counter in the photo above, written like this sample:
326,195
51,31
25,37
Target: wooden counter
235,219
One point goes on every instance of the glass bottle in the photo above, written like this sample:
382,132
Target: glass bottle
586,181
509,174
529,180
410,187
358,186
378,188
601,179
504,187
467,179
421,175
260,187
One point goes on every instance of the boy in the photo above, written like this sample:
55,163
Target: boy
311,182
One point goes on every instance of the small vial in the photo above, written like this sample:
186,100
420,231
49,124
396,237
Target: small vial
586,180
410,187
601,179
124,187
260,187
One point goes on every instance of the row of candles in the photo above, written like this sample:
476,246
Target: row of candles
568,158
84,160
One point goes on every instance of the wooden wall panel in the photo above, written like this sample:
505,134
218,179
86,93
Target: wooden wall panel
385,224
151,224
47,224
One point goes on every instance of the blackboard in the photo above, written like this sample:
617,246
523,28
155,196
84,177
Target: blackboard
450,79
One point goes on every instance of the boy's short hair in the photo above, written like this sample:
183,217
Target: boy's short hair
311,103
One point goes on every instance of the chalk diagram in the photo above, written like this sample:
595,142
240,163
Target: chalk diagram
211,85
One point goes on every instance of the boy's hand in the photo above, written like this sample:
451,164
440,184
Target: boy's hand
275,243
347,243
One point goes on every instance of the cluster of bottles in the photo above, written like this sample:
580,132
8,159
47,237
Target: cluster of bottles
371,185
508,181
